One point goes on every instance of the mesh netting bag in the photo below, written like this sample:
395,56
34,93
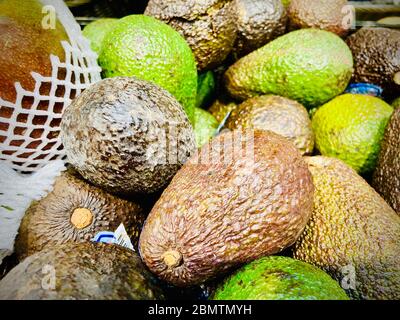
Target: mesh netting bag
36,85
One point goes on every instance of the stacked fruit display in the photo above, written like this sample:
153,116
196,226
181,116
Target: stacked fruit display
239,145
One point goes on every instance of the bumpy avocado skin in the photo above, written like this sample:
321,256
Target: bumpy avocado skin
208,26
127,136
277,114
223,209
205,126
97,30
310,66
351,229
257,22
386,179
329,15
351,127
48,222
82,271
220,108
279,278
377,58
148,49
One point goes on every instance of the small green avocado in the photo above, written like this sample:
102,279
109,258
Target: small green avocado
97,30
205,126
279,278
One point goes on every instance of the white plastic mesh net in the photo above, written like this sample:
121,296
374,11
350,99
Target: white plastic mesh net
30,151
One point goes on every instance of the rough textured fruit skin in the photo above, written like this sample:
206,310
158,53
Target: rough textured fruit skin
82,271
351,127
386,179
48,221
329,15
277,114
351,227
97,30
148,49
221,107
310,66
205,126
257,22
219,213
127,135
376,57
208,26
279,278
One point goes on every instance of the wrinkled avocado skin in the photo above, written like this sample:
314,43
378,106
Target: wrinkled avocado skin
257,22
218,213
310,66
279,278
208,26
82,271
376,57
352,229
386,179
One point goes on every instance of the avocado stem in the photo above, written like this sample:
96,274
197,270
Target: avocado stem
81,218
172,258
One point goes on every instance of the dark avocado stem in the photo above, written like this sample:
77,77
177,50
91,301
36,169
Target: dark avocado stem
81,218
172,258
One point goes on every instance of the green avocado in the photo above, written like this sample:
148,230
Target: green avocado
97,30
205,126
149,49
309,65
279,278
396,103
206,86
351,127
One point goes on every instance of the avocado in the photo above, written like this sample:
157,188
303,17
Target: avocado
208,26
330,15
97,30
80,271
206,87
351,127
396,103
377,58
221,107
279,278
226,208
75,211
127,136
353,233
310,66
386,178
257,23
205,126
26,47
149,49
277,114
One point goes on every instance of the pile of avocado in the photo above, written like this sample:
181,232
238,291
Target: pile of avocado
227,138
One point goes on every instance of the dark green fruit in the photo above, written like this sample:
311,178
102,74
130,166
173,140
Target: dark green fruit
75,211
127,135
208,26
386,179
353,234
80,271
279,278
244,195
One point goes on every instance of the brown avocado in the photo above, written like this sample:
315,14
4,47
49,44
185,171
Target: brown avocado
127,136
208,26
75,211
80,271
376,53
353,234
244,195
277,114
257,23
386,179
329,15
